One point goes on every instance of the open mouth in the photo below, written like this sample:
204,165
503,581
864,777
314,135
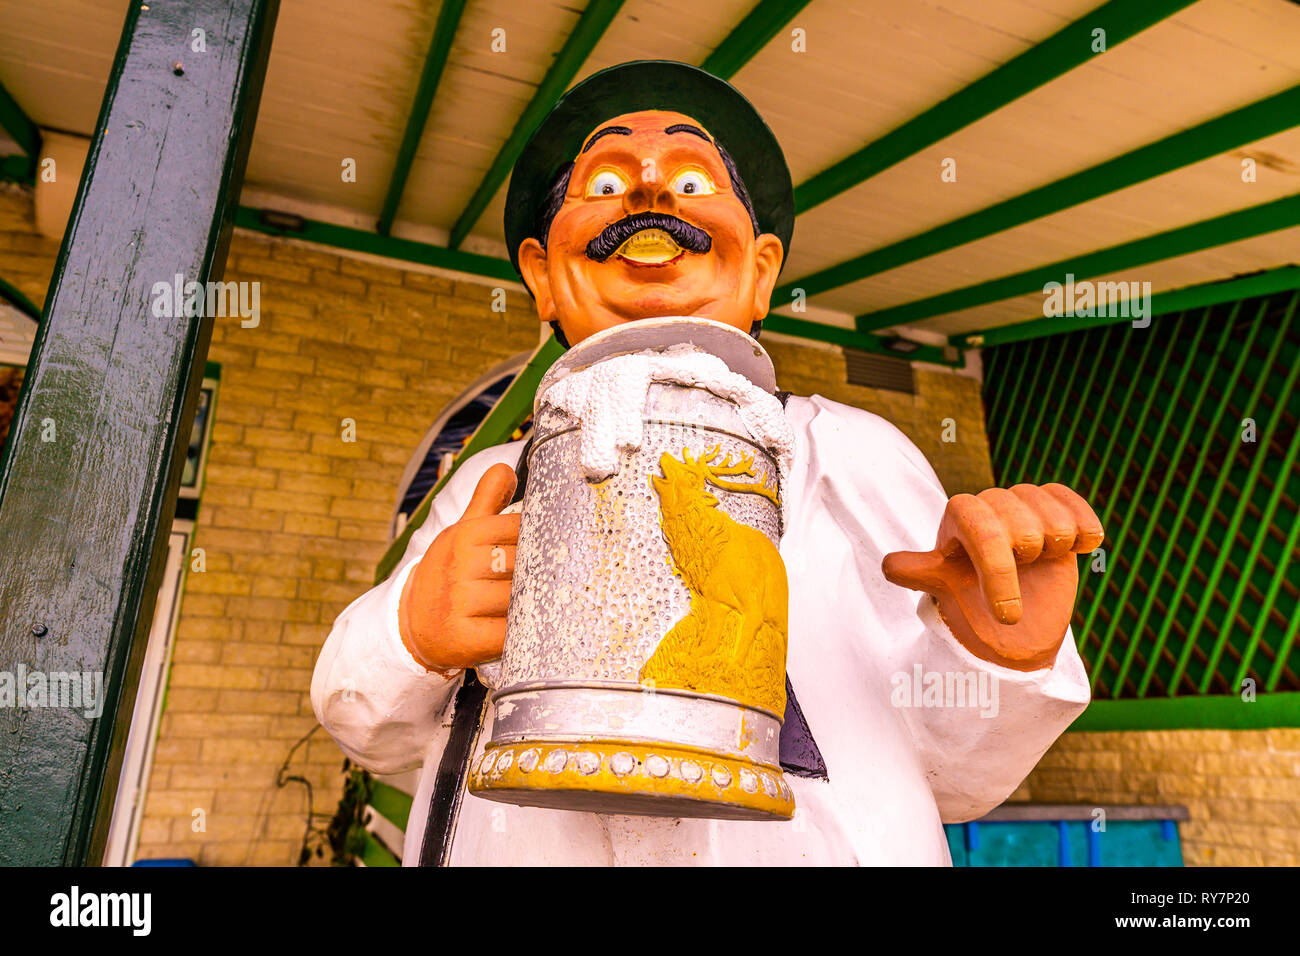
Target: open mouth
649,247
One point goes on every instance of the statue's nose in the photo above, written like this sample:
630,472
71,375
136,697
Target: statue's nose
650,194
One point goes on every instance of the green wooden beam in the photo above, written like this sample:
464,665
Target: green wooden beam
434,61
88,486
1040,64
14,296
275,223
1212,138
359,240
1268,282
881,345
1183,240
511,409
1191,713
753,33
591,26
19,127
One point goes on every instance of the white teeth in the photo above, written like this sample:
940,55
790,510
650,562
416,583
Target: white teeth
649,246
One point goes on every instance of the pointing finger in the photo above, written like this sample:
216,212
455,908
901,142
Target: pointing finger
917,570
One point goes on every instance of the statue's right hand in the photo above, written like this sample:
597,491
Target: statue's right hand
453,610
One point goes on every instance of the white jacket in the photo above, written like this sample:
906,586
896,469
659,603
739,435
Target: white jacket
859,649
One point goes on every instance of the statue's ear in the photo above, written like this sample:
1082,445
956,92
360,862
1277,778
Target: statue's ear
768,255
532,266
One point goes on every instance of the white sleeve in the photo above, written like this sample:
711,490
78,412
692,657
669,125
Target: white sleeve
381,705
885,497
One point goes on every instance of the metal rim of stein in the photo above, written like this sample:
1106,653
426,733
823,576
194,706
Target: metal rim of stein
644,661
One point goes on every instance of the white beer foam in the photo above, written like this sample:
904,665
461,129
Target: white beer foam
609,399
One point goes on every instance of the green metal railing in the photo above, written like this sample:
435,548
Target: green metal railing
1200,595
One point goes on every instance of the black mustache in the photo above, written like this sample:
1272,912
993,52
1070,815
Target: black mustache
690,238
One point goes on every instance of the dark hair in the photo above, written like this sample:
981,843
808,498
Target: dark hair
550,208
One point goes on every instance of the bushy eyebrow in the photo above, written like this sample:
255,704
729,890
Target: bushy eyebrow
688,128
607,131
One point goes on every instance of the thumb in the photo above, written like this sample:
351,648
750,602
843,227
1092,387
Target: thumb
493,492
917,570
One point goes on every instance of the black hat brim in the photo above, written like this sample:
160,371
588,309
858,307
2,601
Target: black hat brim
653,85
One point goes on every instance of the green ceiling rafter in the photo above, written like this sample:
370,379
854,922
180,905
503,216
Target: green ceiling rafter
1175,300
750,35
490,267
1058,54
360,240
434,61
591,26
881,345
25,133
1183,240
1212,138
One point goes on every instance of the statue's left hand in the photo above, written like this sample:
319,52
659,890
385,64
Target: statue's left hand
1004,571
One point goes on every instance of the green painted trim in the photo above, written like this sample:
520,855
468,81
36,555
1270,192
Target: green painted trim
511,409
390,803
1053,57
359,240
489,267
374,853
821,332
82,517
753,33
14,296
1282,279
17,124
591,26
1195,237
435,60
1212,138
1191,713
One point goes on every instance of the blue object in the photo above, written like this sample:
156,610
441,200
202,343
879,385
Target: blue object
177,861
1064,843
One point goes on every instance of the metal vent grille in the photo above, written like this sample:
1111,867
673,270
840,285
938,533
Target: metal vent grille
1202,583
879,371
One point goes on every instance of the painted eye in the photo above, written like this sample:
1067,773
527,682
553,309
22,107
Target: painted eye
606,183
693,182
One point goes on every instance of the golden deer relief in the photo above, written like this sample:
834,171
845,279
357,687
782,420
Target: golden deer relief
733,640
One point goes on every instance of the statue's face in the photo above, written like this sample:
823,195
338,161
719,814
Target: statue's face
702,259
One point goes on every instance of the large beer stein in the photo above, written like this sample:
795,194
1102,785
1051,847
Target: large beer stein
644,661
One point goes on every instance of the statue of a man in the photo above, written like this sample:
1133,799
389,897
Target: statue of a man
927,634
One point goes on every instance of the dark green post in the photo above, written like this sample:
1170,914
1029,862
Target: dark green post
88,485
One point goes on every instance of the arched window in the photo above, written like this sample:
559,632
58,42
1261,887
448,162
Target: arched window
449,432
